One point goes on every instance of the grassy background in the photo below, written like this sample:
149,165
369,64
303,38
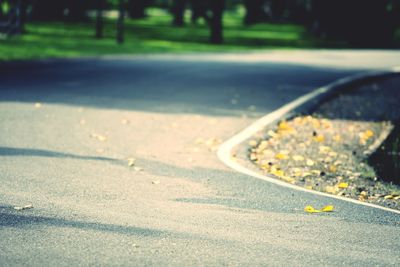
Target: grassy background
153,35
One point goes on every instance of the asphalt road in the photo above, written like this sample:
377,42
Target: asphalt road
67,156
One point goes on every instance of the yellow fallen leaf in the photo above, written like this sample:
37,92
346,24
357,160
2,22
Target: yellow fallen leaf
319,138
298,158
310,162
277,172
283,126
328,208
138,169
131,162
199,141
253,143
281,156
331,189
388,197
324,149
365,136
316,123
287,179
272,133
337,138
125,121
310,209
343,185
369,133
332,168
99,137
297,172
253,157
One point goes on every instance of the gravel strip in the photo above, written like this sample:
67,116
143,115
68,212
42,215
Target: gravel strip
329,149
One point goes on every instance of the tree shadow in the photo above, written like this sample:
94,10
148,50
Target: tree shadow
246,192
164,86
8,218
27,152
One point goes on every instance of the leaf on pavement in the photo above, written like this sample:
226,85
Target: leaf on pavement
138,169
125,121
99,137
131,162
311,209
24,207
328,208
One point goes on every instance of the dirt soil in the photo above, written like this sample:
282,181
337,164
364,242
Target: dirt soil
329,150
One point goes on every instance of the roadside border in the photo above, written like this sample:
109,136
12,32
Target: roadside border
302,103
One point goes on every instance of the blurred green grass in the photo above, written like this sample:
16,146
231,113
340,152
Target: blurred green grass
152,35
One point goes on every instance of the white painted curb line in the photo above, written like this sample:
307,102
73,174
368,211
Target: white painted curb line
224,152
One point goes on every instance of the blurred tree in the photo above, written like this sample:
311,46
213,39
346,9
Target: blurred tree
100,4
10,17
278,8
120,21
136,8
365,23
216,25
255,11
199,10
75,10
48,9
71,10
178,10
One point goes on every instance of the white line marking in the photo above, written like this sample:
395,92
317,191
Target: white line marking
225,150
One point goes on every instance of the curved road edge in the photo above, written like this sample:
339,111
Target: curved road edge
224,152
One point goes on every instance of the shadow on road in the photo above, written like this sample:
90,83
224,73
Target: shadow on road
11,151
167,86
9,219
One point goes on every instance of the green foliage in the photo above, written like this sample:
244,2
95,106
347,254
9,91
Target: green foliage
151,35
5,7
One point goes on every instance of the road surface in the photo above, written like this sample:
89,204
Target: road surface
69,127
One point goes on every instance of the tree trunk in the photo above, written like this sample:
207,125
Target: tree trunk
216,27
120,22
199,10
179,11
254,11
45,10
99,18
137,8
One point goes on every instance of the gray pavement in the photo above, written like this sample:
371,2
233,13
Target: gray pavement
68,158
